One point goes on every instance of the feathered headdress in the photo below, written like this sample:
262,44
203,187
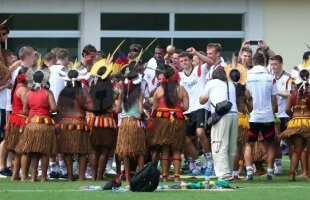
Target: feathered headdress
34,85
102,63
239,68
82,72
108,63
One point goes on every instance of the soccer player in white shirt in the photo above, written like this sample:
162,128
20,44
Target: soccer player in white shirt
261,92
284,87
193,80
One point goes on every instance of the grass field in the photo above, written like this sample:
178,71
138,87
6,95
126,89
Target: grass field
279,189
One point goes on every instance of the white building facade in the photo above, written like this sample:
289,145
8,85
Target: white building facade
72,24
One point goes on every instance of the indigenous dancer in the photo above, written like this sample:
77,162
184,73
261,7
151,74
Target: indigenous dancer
131,142
103,127
38,139
170,100
16,120
73,103
238,75
298,128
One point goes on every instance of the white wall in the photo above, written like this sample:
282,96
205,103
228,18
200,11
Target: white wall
286,28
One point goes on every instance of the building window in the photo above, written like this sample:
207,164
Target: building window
229,45
44,45
43,21
44,32
182,30
129,21
208,22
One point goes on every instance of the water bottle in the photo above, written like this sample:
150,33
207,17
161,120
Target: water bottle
207,182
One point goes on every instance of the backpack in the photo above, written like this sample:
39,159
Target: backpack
146,180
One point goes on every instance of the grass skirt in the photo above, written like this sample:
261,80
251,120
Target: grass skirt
38,138
165,132
74,136
14,130
12,136
103,137
297,126
131,141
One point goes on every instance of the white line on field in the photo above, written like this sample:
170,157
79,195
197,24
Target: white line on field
243,188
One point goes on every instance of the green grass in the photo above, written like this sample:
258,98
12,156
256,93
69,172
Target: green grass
279,189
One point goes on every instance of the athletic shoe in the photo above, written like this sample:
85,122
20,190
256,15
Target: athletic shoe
63,177
196,172
54,175
191,166
5,173
269,177
8,170
2,176
249,177
277,170
62,170
228,178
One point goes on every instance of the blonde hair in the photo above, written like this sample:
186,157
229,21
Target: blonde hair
25,51
217,46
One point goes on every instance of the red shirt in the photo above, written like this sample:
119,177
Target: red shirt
17,104
38,103
162,104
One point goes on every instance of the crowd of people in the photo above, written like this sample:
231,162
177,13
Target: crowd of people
69,119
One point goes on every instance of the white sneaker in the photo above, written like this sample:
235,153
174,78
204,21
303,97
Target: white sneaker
278,170
2,176
63,169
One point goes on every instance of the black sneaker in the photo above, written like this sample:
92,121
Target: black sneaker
54,175
8,171
269,177
249,177
4,173
63,177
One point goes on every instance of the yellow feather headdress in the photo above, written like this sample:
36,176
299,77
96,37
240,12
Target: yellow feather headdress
108,63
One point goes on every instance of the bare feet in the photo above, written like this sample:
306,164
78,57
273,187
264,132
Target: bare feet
15,178
27,178
303,175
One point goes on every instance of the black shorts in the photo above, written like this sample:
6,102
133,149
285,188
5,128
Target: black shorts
284,121
266,129
196,119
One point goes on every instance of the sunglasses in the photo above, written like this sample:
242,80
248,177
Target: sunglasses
4,34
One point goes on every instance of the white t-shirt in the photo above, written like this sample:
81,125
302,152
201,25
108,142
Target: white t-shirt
214,67
56,83
9,91
149,72
194,84
216,91
262,86
3,99
283,85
